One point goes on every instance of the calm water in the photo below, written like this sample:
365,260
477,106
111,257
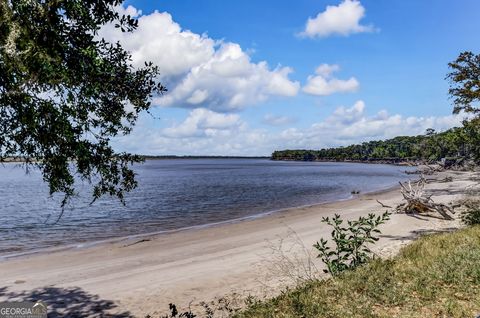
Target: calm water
175,194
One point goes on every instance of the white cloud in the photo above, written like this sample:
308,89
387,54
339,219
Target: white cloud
343,19
230,81
200,71
327,70
325,84
348,125
160,40
205,132
347,116
202,122
276,120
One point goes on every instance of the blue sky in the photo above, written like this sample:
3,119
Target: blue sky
248,77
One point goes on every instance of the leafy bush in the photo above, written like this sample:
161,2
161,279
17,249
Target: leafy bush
351,243
471,214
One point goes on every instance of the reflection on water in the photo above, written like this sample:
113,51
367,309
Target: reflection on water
174,194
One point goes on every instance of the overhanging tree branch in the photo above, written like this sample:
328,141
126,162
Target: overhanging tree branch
59,84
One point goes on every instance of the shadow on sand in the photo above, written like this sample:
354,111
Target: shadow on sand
418,233
70,302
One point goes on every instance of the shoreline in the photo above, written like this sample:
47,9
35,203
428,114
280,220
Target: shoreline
393,162
145,275
118,239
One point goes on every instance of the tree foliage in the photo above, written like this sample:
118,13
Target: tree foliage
65,92
465,91
465,83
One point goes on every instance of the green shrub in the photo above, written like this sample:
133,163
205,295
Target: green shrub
351,243
471,210
471,215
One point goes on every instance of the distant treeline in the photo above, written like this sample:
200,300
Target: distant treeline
461,143
199,157
151,157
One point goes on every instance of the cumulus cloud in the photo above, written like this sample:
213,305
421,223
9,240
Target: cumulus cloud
276,120
200,71
202,122
205,132
161,40
343,19
349,125
323,83
230,81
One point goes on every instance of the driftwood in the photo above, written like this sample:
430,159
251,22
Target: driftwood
444,180
419,202
427,170
413,172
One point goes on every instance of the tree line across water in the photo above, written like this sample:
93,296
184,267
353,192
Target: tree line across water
456,143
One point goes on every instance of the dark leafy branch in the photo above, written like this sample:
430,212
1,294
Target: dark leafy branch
65,92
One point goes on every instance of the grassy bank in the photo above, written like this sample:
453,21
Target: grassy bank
436,276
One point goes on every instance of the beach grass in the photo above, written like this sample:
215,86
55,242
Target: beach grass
436,276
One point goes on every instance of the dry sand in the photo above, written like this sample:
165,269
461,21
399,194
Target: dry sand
141,276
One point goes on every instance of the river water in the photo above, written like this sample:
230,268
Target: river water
175,194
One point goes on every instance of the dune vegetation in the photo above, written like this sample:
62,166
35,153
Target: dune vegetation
436,276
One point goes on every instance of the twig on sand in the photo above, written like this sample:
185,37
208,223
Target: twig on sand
384,205
138,242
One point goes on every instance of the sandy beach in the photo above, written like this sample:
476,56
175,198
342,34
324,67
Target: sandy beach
142,276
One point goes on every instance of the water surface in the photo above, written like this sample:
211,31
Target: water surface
174,194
